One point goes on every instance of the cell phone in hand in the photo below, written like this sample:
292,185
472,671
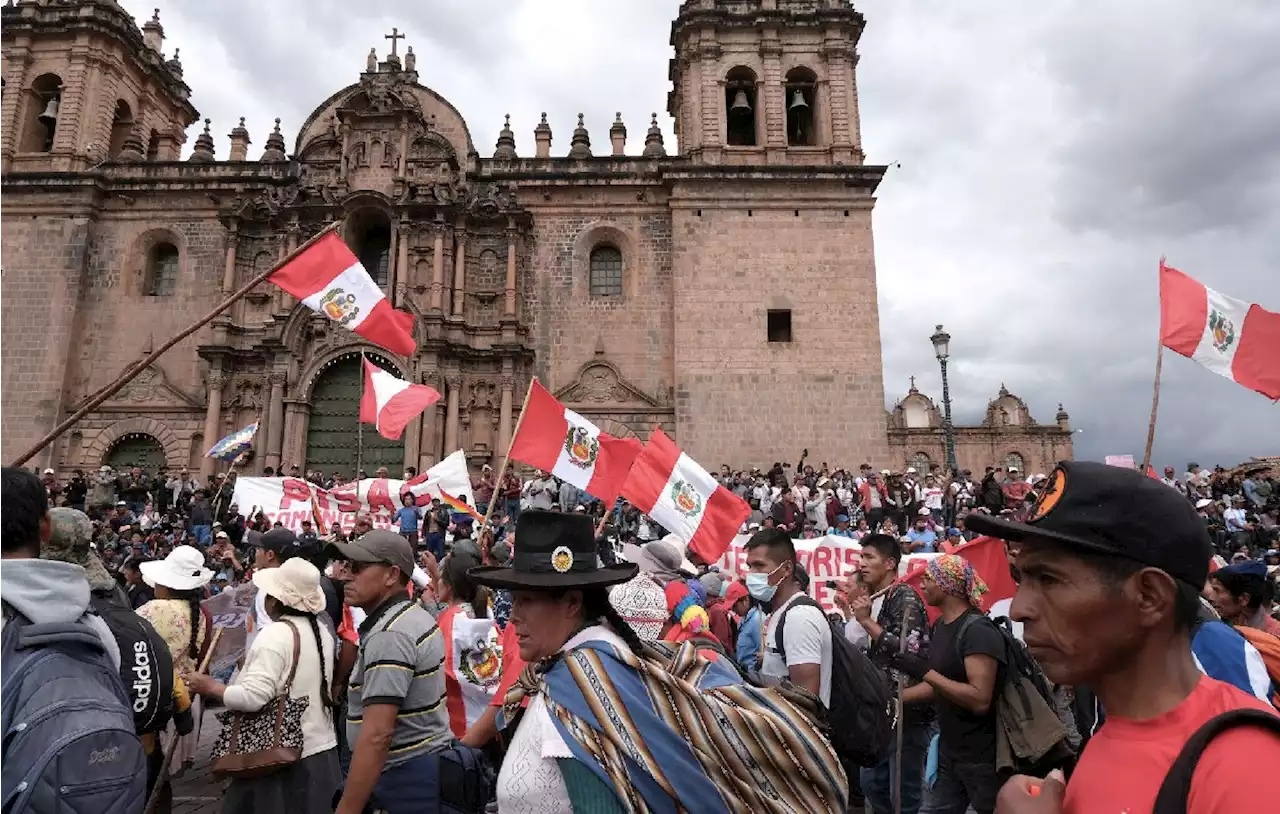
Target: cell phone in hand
833,585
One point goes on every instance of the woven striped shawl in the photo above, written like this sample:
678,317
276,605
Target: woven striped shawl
670,731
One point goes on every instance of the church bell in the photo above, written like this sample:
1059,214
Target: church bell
797,100
740,103
50,113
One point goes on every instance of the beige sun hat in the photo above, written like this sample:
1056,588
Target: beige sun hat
296,584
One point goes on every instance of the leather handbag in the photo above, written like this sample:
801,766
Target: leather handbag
254,744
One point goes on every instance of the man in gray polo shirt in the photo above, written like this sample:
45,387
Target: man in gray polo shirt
396,716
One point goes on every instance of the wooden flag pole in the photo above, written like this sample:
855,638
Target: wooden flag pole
113,388
506,456
1155,404
360,427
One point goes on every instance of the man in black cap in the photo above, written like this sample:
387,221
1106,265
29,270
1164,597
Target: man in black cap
273,548
1112,563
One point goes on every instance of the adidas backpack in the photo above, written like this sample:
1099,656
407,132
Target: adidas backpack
860,715
146,666
68,725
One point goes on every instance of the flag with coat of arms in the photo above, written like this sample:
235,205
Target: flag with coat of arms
684,498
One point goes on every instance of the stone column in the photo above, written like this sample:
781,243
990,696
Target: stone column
297,435
229,269
402,161
346,151
403,280
288,451
459,271
512,237
504,415
275,418
412,439
429,437
454,384
437,271
212,418
392,253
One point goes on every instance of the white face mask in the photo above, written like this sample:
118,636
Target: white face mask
759,587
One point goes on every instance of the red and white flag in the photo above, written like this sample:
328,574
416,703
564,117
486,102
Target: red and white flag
987,556
674,490
555,439
392,403
472,666
328,278
1231,337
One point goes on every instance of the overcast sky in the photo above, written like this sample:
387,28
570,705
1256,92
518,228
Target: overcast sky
1050,154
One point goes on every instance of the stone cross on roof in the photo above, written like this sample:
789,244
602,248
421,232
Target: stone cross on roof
393,36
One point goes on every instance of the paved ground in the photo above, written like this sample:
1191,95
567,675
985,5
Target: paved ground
196,792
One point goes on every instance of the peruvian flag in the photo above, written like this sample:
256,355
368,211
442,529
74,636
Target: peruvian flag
674,490
392,403
472,666
1232,338
555,439
328,278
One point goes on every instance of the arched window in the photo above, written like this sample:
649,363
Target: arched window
42,114
740,106
1014,461
121,126
370,236
921,462
801,97
606,271
162,270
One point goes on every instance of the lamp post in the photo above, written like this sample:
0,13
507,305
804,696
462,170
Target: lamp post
942,349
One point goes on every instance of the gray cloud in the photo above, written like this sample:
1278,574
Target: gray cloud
1051,153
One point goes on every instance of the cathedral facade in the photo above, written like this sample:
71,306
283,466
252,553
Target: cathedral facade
725,292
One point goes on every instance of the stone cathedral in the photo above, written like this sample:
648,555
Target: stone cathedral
725,291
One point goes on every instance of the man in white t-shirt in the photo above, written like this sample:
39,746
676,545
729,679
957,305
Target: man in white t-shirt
771,564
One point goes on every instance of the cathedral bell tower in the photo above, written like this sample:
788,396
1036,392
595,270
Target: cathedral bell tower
83,86
766,81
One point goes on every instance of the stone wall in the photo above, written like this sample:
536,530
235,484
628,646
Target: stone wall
571,328
741,399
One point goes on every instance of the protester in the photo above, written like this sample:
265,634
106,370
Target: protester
894,619
1242,596
959,674
273,550
462,598
771,580
408,519
294,601
1111,566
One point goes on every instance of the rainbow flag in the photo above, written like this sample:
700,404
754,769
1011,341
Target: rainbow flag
459,505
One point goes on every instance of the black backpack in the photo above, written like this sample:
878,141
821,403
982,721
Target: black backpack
146,666
1176,788
1019,680
861,712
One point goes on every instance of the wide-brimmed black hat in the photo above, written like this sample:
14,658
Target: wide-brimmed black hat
1112,510
553,551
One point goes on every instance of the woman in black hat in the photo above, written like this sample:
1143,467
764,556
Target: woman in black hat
560,602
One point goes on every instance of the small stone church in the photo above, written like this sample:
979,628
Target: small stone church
724,291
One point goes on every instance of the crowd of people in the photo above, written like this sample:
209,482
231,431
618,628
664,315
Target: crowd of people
903,696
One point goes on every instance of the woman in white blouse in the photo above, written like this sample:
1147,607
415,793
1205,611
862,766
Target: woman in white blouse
294,600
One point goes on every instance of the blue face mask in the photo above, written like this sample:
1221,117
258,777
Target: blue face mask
759,588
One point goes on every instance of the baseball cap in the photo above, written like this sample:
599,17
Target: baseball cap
1113,510
378,546
282,541
1245,568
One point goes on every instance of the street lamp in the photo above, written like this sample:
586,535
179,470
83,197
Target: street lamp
942,349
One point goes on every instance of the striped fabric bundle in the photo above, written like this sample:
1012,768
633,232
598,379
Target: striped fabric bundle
672,731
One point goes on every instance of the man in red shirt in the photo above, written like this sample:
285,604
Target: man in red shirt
1112,563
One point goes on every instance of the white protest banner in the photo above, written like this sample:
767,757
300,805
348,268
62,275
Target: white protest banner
288,500
1125,461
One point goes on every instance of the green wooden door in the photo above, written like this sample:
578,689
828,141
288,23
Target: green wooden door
334,432
136,449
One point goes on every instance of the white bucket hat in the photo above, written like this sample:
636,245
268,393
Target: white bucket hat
296,583
182,570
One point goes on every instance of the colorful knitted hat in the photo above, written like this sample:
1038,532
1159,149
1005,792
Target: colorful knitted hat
684,601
